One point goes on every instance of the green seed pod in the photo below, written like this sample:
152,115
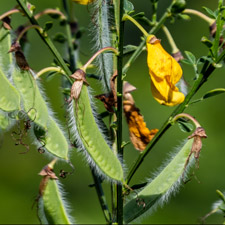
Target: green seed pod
33,102
102,37
5,44
178,6
53,140
5,121
52,137
52,208
89,138
160,188
9,97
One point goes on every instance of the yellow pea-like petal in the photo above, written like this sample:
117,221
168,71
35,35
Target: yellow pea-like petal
165,72
83,2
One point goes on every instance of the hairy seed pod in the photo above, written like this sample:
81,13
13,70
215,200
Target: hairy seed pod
90,139
160,188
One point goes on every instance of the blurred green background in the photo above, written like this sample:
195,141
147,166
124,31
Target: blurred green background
19,181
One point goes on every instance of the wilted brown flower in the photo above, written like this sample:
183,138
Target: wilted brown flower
140,135
20,58
80,77
198,134
109,99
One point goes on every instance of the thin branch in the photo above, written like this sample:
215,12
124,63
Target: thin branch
46,40
120,107
101,197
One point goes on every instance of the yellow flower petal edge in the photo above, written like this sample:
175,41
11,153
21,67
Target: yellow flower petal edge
165,72
83,2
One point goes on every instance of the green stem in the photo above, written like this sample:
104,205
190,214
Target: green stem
49,11
37,27
207,70
185,115
101,197
49,69
9,13
69,37
46,40
140,48
84,67
154,11
170,40
138,25
120,107
199,14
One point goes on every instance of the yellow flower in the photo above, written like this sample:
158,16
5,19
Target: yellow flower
165,72
83,2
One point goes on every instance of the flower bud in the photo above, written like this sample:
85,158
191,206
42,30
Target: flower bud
178,6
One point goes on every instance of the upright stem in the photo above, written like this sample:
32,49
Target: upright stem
120,107
69,37
46,40
101,197
154,11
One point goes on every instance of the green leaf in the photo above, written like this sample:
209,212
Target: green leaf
48,25
214,92
138,15
185,61
206,41
59,37
190,57
210,12
128,7
185,126
158,189
128,49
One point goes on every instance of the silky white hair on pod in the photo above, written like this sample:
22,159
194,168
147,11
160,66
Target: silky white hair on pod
52,116
172,190
66,206
77,139
35,140
101,36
